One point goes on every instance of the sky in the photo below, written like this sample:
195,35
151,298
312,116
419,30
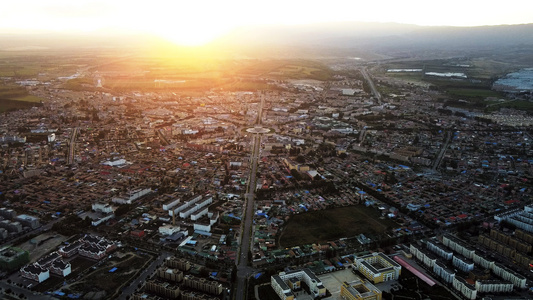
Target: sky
199,21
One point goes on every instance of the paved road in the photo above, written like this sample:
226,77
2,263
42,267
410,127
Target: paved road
18,290
130,289
243,269
375,91
72,146
442,151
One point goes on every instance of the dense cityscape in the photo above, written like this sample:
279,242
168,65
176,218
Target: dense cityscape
280,150
362,185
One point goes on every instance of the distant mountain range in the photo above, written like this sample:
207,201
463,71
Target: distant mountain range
390,39
357,34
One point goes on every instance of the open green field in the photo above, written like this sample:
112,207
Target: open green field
8,105
520,105
330,224
266,292
30,64
102,280
14,97
287,69
473,93
183,75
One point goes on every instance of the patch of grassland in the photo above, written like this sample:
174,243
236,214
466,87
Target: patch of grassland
330,224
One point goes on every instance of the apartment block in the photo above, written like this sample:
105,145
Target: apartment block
466,289
458,246
178,263
493,286
202,284
170,274
164,289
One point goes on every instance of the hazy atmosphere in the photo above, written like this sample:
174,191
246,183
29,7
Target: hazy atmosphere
245,150
198,22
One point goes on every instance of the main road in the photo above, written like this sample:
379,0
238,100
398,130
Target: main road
130,289
375,91
70,158
244,270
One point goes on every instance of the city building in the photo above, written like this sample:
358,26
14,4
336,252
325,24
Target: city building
28,221
12,258
170,274
202,284
131,196
493,286
466,289
102,207
378,267
439,249
196,296
521,219
35,272
360,290
458,246
178,263
443,271
280,283
61,268
462,263
168,229
70,249
164,289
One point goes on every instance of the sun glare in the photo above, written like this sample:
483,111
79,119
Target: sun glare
189,36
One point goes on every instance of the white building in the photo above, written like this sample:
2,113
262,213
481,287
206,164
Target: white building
29,221
443,271
61,268
439,249
131,196
101,220
458,246
102,207
494,286
185,205
462,263
168,229
171,204
503,272
35,272
280,283
193,208
465,288
202,227
115,163
200,213
483,261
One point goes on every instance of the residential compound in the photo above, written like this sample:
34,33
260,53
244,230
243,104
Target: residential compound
521,219
471,271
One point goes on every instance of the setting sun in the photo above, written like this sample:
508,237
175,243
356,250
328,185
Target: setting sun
191,36
199,22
